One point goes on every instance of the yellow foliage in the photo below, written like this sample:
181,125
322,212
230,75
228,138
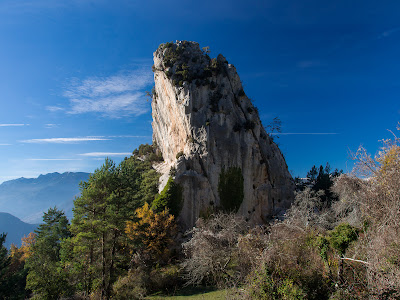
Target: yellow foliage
390,159
153,232
15,251
27,243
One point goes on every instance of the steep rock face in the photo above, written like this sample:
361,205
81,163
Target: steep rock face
204,125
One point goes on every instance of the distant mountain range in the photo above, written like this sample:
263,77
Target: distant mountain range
28,198
15,229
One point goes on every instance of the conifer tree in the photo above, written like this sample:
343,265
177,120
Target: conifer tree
93,229
108,199
46,278
4,264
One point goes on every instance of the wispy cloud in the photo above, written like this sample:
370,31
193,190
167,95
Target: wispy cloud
50,125
304,133
389,32
114,96
13,125
129,136
104,154
73,140
54,108
65,140
5,144
52,159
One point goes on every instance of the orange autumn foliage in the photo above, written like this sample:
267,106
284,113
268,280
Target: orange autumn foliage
27,243
153,234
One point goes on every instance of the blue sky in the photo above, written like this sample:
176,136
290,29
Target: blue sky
74,73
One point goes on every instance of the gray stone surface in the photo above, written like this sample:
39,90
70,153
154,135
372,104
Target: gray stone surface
200,109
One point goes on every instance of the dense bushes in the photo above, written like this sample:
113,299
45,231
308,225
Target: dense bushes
212,252
297,258
141,281
148,152
378,203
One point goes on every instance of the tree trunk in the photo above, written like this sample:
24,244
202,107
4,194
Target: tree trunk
103,268
111,270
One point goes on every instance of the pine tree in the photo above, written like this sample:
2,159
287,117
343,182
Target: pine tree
95,256
46,278
93,230
108,199
4,265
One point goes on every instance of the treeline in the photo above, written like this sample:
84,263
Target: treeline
118,224
339,240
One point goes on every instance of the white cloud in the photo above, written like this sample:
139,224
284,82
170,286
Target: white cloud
52,159
54,108
113,96
65,140
5,144
310,133
104,154
389,32
50,125
73,140
13,125
129,136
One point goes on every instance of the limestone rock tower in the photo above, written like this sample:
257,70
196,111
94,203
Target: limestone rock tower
212,139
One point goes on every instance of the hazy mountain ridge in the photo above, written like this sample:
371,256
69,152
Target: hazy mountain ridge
15,229
28,198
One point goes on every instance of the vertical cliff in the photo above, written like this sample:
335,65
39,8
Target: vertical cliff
211,137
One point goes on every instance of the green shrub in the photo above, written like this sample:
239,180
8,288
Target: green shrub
323,245
231,189
149,152
131,286
170,197
261,285
165,279
288,290
295,264
168,45
179,154
342,236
